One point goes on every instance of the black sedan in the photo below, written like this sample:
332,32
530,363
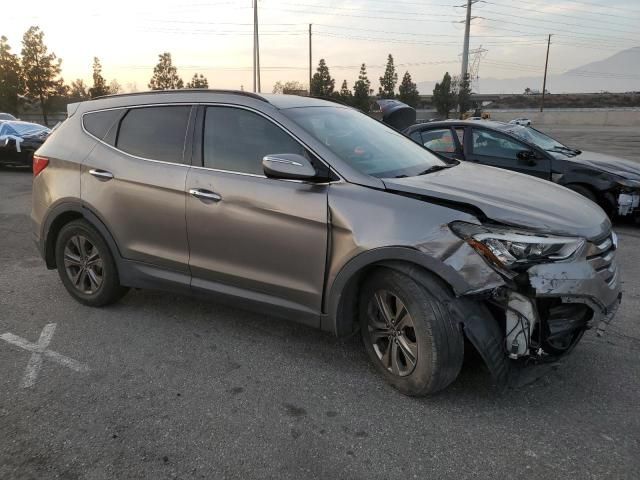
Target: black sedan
612,182
18,141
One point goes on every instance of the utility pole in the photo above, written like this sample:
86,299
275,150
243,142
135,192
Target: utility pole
256,48
546,65
310,61
465,49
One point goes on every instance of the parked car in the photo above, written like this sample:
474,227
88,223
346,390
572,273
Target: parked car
314,211
611,182
18,141
521,121
6,116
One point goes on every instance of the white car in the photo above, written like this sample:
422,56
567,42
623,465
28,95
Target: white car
521,121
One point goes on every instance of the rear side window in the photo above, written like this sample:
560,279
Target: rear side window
156,133
236,140
440,141
103,125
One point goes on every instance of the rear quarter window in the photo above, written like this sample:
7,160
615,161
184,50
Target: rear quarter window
103,125
156,133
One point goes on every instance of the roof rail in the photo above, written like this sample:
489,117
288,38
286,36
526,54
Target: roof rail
186,90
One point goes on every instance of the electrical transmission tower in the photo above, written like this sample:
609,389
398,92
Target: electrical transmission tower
474,69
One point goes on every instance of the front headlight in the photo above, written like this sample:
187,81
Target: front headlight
628,183
508,248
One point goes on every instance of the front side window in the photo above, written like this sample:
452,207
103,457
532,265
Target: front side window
156,133
493,144
237,140
440,141
363,143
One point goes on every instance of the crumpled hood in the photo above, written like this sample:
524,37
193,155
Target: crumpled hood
511,198
618,166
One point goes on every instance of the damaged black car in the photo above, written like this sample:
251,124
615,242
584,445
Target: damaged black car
18,141
611,182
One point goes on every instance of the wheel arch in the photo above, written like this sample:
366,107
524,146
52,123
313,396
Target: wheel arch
342,301
61,215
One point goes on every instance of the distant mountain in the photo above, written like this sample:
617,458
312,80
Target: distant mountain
618,73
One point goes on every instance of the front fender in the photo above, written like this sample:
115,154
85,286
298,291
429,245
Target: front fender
457,265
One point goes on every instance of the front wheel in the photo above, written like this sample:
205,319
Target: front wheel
409,333
86,266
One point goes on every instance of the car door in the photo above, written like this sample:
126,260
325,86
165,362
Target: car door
134,180
440,140
250,235
490,147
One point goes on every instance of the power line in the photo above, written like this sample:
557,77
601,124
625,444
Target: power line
556,14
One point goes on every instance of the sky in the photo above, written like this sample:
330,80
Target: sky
425,37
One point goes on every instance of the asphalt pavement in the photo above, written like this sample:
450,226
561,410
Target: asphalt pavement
164,386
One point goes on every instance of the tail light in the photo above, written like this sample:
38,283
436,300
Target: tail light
39,164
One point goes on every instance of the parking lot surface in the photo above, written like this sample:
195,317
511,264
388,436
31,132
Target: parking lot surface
173,387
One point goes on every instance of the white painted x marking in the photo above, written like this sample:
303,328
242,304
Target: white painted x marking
40,350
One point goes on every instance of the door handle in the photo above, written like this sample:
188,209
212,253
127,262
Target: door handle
205,194
101,174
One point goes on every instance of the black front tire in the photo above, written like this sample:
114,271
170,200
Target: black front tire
435,335
73,265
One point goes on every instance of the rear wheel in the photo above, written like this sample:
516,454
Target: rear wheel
86,266
408,332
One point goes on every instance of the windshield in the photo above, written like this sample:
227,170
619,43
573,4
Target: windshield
365,144
539,139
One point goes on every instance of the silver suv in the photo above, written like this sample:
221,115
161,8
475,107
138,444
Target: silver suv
308,209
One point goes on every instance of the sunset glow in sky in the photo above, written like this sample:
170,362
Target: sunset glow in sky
215,37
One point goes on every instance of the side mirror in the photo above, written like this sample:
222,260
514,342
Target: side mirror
288,166
527,155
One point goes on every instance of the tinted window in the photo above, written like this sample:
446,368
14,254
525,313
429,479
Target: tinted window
460,133
157,133
363,143
416,137
494,144
439,140
103,124
237,140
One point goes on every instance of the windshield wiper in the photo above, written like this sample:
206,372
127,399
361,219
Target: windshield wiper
436,168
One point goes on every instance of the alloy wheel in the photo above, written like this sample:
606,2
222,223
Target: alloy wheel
83,264
392,333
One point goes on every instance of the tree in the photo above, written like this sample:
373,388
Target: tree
198,81
389,80
10,81
40,68
115,87
78,90
409,91
345,94
165,75
322,84
100,88
361,90
288,88
444,98
464,95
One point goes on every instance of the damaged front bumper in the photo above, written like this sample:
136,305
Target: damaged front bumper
557,302
628,203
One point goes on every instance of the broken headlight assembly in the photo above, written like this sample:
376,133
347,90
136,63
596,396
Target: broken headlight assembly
508,249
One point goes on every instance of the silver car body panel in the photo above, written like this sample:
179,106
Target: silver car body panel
300,245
